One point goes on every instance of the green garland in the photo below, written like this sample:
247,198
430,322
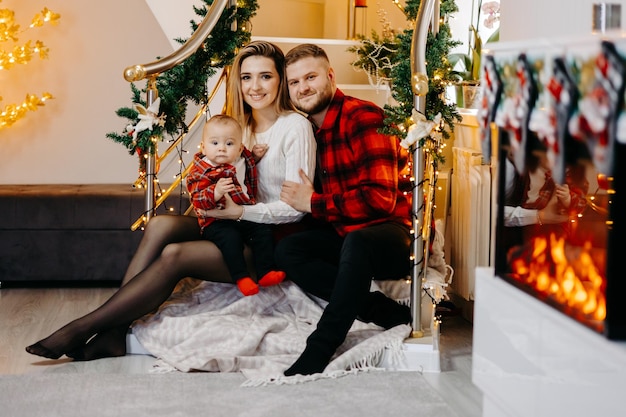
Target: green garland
439,71
186,83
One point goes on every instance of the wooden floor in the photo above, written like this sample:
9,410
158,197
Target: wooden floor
27,315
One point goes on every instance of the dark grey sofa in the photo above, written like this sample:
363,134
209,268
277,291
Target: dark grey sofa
58,235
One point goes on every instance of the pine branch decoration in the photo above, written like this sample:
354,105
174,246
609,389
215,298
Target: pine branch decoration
398,116
186,83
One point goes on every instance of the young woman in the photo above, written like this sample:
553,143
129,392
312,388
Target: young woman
171,248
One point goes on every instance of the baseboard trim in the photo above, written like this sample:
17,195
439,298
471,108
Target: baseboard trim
466,306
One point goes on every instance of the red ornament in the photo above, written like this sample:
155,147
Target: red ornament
603,182
360,3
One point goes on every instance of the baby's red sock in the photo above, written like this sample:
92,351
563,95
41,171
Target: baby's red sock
247,286
272,278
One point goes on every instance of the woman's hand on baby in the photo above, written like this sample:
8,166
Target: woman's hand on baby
552,213
231,210
552,217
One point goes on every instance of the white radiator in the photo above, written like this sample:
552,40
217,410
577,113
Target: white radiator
470,218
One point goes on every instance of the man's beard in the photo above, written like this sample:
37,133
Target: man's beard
323,100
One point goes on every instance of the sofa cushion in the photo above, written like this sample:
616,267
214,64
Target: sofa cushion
61,234
54,207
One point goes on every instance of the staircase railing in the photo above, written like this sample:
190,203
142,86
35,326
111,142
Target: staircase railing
150,72
427,19
159,198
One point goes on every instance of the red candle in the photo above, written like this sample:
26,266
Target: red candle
360,3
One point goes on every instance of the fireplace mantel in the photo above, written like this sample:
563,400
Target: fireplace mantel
530,360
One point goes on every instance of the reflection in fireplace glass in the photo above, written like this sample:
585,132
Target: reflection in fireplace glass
561,257
561,152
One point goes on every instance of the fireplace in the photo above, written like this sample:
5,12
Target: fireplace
557,127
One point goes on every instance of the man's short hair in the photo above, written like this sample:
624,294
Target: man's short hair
305,50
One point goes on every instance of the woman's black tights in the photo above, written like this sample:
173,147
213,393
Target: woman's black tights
168,253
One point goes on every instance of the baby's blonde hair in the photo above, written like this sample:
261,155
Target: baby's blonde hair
225,120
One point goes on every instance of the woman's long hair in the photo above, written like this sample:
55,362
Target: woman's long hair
235,104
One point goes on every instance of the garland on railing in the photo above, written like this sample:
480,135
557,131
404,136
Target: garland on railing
184,83
396,48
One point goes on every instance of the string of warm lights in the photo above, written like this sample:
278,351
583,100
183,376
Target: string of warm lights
21,55
13,112
160,194
398,5
418,133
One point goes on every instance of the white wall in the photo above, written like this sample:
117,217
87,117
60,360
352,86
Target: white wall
64,142
174,17
530,19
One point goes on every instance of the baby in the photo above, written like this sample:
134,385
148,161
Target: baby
224,166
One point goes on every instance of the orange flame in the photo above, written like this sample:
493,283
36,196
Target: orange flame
575,282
